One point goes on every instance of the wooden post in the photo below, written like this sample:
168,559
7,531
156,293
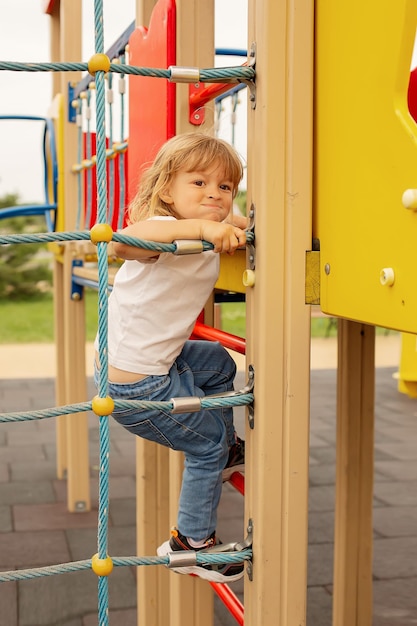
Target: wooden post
280,140
191,599
72,431
352,603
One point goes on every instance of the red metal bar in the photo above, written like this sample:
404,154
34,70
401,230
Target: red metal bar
237,480
206,94
202,331
230,600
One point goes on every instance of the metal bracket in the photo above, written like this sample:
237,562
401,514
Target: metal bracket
248,388
236,546
199,94
77,291
251,83
250,247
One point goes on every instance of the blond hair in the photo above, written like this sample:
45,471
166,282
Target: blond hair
187,152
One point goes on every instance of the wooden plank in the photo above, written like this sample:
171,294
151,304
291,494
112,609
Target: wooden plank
352,595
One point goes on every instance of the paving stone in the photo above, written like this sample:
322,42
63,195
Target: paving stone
4,473
53,516
42,548
119,487
396,493
398,470
222,617
395,558
395,602
399,433
58,599
83,542
319,607
317,441
30,438
321,527
320,564
8,604
119,467
5,519
395,521
123,512
25,471
29,448
16,453
127,617
402,450
26,492
322,474
321,498
126,448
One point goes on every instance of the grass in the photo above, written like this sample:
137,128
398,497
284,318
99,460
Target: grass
32,321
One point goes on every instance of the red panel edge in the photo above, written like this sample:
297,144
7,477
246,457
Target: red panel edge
48,6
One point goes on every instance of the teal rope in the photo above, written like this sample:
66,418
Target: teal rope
216,558
82,235
101,177
240,399
210,75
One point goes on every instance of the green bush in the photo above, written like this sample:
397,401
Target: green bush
25,269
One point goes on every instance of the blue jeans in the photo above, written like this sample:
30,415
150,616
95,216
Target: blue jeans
202,368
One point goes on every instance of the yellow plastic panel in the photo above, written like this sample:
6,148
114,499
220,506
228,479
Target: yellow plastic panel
231,272
365,158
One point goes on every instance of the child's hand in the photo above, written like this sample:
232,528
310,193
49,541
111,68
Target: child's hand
224,237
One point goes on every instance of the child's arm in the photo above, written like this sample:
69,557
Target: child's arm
224,237
237,220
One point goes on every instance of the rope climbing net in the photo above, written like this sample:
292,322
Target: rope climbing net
101,234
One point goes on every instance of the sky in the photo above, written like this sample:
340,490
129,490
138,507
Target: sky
24,93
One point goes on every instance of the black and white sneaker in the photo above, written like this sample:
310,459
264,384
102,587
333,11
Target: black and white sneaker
222,573
236,460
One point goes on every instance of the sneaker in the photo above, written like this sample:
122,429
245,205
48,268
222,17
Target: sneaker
222,573
236,460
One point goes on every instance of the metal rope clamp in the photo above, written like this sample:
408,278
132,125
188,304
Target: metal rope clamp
188,246
186,404
182,558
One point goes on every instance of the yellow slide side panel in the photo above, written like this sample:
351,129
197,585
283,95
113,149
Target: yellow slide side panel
231,272
365,159
407,375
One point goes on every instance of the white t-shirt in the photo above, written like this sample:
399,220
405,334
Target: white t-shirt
153,308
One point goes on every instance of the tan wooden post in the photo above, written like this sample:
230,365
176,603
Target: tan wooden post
191,599
278,322
152,494
70,318
352,594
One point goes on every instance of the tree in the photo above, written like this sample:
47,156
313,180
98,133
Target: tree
24,268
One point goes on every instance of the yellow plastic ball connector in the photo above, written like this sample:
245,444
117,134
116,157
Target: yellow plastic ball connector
102,406
101,232
98,62
101,567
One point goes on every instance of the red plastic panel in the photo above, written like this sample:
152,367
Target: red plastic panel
151,100
90,180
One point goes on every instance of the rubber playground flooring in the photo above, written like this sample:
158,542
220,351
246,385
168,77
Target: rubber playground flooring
37,530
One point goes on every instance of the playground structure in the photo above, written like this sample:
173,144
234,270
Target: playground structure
294,176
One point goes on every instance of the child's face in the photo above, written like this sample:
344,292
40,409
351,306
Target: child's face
200,194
